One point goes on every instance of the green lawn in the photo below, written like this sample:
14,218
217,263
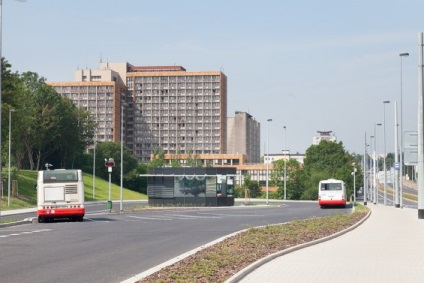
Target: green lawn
26,195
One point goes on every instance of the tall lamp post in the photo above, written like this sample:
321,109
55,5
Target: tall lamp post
122,154
1,67
94,159
10,140
371,170
384,157
285,163
375,164
420,167
401,55
94,167
354,182
365,188
396,164
267,160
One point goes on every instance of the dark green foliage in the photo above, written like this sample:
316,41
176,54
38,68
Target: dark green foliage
390,160
329,160
158,159
46,127
253,186
106,150
193,160
134,181
294,179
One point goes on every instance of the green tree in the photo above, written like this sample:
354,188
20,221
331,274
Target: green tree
134,181
106,150
328,160
158,159
253,186
47,128
10,87
390,160
175,159
193,159
294,179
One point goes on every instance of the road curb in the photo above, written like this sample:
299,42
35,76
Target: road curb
249,269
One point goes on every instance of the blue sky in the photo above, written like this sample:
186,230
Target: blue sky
308,65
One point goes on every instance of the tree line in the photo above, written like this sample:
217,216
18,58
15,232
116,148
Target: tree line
323,161
45,127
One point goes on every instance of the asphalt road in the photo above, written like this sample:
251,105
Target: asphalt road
406,202
90,207
113,247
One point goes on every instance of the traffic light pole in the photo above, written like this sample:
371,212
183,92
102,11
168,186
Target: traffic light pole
109,164
109,202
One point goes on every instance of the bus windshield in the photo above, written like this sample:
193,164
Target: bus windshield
331,187
60,176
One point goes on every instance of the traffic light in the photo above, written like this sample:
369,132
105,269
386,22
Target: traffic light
110,162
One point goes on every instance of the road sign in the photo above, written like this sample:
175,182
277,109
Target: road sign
410,148
396,165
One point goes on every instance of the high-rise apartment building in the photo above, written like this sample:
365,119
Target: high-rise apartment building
243,136
100,92
177,111
164,107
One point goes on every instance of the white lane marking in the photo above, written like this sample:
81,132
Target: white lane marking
94,220
25,233
150,218
98,213
233,215
183,216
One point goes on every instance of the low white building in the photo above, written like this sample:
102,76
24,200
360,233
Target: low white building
323,135
268,159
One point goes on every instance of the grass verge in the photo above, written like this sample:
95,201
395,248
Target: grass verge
220,261
24,194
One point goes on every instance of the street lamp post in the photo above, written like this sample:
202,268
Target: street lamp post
371,170
375,165
1,67
94,167
354,182
10,140
365,188
401,55
285,164
384,157
122,154
396,171
267,161
420,167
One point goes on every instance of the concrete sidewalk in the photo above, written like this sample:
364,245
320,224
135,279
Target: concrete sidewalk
387,247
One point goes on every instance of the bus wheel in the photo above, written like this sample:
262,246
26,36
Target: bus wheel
40,220
80,219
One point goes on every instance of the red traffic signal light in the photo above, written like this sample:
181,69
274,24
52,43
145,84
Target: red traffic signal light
110,162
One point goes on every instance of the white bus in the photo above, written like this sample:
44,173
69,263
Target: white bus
60,194
331,192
